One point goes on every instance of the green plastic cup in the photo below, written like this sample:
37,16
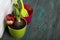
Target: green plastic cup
17,33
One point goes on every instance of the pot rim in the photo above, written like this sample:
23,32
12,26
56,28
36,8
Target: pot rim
19,29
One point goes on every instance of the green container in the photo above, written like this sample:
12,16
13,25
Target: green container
17,33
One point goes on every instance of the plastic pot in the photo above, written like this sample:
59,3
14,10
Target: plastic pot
30,12
17,33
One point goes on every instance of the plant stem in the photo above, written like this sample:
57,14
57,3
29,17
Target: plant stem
18,19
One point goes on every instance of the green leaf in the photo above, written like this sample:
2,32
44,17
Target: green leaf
16,10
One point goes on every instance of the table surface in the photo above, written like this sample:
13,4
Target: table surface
45,24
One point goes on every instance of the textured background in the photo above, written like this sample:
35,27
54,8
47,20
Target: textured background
45,24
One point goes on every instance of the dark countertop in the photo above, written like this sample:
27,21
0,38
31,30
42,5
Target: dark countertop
45,24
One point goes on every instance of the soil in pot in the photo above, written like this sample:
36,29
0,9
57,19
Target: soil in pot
18,25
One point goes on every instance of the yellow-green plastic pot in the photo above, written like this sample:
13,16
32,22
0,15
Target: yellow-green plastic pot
17,33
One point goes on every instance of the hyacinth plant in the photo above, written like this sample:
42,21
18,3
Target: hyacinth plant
15,17
18,26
